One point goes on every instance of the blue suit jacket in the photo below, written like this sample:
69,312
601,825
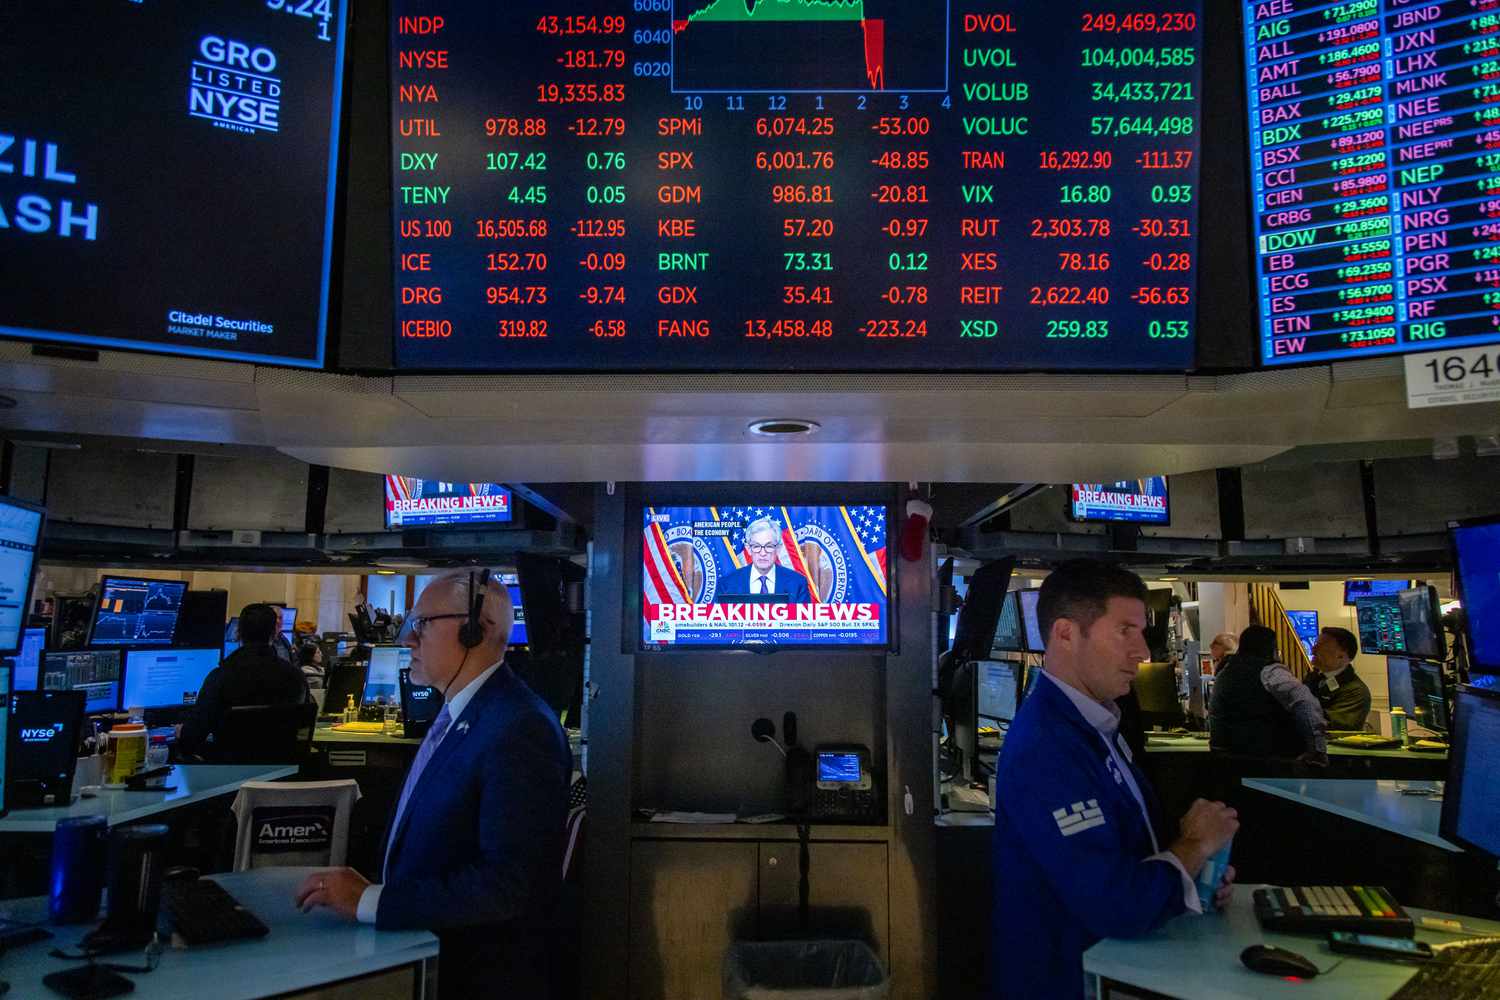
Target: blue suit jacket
788,581
1070,852
477,856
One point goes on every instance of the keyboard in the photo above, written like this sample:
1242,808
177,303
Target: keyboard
1318,909
201,912
1459,971
1366,741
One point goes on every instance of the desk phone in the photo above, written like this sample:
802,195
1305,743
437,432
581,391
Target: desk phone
845,788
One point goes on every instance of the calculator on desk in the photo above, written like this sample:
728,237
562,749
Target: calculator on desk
845,789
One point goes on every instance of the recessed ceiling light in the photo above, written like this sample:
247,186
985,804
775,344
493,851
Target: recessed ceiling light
781,427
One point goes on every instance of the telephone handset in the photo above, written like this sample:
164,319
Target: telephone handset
845,787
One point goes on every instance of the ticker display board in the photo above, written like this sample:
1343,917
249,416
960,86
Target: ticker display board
1375,172
167,175
782,184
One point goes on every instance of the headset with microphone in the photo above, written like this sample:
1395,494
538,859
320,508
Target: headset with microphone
471,632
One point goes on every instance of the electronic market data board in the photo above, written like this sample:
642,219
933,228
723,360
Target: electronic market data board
167,174
1375,171
781,184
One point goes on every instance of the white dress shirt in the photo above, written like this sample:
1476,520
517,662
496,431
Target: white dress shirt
755,577
369,900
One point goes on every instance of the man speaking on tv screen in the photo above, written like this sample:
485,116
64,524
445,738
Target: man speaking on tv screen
765,575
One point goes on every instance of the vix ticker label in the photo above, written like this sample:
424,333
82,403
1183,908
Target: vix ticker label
233,84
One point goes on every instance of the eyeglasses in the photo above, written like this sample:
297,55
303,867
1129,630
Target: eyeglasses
414,626
768,547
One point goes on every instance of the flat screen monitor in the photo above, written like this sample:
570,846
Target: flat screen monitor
383,678
1471,795
999,689
755,243
1010,634
1422,621
232,635
166,678
979,618
1027,601
1381,629
28,660
344,680
512,584
200,623
45,733
1141,501
1398,684
1429,698
807,576
419,705
1367,185
136,612
421,503
1355,589
5,684
96,672
1476,557
1305,624
20,537
198,165
1155,687
288,619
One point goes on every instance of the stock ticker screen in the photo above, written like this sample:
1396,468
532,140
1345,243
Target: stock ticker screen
775,184
1375,171
167,174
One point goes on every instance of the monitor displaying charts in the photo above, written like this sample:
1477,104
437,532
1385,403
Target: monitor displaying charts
135,612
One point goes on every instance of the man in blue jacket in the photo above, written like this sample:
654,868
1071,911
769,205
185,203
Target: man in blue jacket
1080,851
475,848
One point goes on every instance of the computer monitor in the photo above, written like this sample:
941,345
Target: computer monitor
1380,627
1471,795
27,662
166,678
512,584
1429,697
342,681
419,704
1398,685
20,537
4,730
383,678
96,672
1422,620
1155,687
980,615
1305,624
1010,635
1035,642
201,621
999,694
1355,589
1476,559
71,614
136,612
45,730
232,635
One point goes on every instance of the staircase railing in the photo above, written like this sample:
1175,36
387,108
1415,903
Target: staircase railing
1266,609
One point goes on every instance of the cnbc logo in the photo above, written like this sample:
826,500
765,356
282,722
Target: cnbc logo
233,85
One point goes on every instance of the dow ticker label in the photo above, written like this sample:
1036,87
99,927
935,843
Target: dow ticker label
1375,171
781,184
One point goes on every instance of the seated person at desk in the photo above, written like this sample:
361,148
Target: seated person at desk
764,575
1081,850
1344,697
475,848
1260,709
251,675
310,662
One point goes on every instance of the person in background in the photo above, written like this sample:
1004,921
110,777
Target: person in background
1081,851
1344,697
475,848
252,675
1224,644
1260,709
310,662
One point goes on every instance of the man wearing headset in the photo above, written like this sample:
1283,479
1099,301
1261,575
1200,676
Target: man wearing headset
474,851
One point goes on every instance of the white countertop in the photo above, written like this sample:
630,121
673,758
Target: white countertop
192,783
1379,803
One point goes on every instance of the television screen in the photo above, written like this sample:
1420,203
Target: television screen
20,535
158,158
133,612
1370,176
769,575
416,503
1422,620
1305,624
382,679
1355,589
1143,501
1476,555
166,678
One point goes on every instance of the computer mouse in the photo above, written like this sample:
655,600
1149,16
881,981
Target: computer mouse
1277,962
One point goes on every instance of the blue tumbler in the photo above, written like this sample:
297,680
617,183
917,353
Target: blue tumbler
80,849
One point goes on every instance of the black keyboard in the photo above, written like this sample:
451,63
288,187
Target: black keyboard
1318,909
201,912
1460,971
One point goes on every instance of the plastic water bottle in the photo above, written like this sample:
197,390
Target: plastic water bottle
1398,725
1211,874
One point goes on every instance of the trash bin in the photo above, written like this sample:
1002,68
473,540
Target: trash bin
803,970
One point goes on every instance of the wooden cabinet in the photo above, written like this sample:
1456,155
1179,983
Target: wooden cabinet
689,900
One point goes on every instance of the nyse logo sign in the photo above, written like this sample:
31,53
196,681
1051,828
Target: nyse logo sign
232,84
40,734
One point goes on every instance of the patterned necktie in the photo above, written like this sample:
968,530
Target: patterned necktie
763,588
424,754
